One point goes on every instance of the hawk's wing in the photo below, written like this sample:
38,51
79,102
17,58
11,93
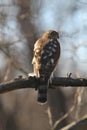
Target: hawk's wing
49,58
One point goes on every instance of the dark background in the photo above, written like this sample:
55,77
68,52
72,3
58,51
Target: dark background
22,22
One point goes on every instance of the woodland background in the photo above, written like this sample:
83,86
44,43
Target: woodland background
22,22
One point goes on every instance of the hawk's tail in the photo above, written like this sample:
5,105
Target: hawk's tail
42,93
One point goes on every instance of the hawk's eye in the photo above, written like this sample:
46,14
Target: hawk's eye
53,35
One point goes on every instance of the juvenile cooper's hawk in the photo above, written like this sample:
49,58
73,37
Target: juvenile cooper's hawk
46,55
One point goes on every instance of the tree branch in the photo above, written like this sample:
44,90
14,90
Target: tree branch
18,83
33,82
68,81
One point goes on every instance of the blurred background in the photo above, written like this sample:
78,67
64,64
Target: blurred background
22,22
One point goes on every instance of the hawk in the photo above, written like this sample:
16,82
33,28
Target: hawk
46,56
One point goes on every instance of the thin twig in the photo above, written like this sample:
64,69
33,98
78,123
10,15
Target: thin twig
63,117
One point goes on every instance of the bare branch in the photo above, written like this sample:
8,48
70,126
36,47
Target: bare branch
33,82
68,81
80,125
18,83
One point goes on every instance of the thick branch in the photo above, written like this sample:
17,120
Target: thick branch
18,84
63,81
33,82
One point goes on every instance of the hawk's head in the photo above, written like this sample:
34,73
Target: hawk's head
51,34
